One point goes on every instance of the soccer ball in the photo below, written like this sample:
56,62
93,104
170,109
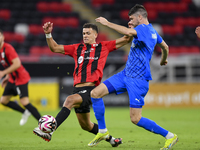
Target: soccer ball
47,124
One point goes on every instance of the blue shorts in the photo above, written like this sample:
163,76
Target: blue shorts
136,88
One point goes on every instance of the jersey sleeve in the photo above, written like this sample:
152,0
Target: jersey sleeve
69,49
159,38
111,45
11,53
141,32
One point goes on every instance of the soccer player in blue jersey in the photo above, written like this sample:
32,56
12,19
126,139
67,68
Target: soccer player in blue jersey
134,78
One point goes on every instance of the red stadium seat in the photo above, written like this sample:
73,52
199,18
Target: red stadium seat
124,14
54,7
72,22
102,37
65,7
5,14
48,19
35,29
60,22
42,6
18,38
152,15
35,51
8,36
194,50
180,21
191,21
98,3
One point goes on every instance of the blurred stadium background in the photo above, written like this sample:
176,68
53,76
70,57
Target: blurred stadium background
175,85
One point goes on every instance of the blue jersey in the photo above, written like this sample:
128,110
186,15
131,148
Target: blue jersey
137,65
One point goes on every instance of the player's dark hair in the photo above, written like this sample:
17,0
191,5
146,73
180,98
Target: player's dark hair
91,25
1,31
138,9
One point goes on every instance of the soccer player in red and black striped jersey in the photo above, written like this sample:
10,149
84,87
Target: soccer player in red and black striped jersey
90,58
15,81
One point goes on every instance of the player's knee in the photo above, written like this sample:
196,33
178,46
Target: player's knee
3,101
69,101
94,94
135,119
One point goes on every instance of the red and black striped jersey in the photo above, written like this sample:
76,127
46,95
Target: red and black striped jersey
89,60
7,54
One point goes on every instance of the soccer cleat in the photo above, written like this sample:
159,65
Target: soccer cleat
99,137
25,116
117,141
45,136
170,143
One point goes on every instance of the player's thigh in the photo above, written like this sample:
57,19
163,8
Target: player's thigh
115,84
137,90
74,100
5,99
99,91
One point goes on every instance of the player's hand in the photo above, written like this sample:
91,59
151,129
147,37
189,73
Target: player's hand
4,83
197,31
1,74
102,20
163,63
48,27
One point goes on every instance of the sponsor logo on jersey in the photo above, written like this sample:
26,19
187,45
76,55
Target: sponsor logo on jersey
94,58
154,36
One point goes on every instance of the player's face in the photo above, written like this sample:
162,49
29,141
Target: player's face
134,21
1,39
89,36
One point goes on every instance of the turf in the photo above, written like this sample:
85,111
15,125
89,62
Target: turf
185,122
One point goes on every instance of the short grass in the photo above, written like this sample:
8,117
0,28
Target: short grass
185,122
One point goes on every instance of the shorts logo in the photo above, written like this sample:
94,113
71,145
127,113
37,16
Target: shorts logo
18,91
137,100
84,91
80,59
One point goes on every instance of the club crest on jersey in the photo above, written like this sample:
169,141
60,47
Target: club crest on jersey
80,59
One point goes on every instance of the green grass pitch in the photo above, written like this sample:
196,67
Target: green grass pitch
185,122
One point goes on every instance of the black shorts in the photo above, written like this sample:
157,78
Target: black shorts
84,92
12,89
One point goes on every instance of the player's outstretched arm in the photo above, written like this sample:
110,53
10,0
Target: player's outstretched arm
123,41
165,50
197,31
54,47
118,28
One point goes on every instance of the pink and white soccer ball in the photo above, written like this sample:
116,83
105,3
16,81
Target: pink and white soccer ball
47,124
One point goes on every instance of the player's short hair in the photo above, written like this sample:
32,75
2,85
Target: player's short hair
91,25
1,31
138,9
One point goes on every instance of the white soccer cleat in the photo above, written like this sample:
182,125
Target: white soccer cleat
25,116
45,136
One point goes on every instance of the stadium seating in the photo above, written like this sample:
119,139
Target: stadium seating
177,19
28,18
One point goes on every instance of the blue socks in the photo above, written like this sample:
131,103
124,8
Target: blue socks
152,126
99,111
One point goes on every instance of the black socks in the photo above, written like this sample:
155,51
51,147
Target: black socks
62,115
